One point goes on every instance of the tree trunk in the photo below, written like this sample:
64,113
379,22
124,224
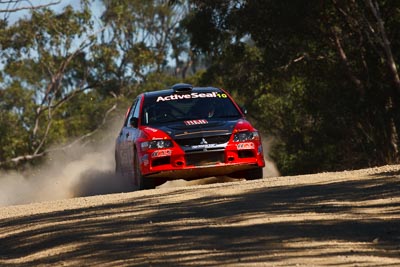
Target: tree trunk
393,104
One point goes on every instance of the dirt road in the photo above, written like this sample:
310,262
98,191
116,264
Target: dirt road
346,218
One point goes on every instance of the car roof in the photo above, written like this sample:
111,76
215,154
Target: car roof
166,92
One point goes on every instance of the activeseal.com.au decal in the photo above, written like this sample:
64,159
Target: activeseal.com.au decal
191,96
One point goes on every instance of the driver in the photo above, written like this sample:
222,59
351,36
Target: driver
211,111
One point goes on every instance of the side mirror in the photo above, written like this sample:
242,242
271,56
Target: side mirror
243,109
133,122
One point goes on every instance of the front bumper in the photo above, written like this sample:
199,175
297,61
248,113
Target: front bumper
191,173
178,164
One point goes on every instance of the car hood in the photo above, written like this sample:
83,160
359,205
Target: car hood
198,128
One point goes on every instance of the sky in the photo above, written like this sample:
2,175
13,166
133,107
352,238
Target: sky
97,7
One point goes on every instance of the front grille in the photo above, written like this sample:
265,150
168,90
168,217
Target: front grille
161,161
246,154
217,139
205,158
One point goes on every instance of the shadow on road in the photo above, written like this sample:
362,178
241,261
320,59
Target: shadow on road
93,182
357,218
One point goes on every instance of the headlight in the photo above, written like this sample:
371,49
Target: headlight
245,136
156,144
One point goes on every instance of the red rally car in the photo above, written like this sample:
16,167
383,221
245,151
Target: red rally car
187,133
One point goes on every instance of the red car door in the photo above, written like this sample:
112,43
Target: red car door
127,139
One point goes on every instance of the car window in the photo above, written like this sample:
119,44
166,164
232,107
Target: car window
192,106
134,112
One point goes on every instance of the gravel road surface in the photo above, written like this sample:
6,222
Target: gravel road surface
347,218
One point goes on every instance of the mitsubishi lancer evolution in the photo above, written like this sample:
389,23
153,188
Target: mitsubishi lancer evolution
187,132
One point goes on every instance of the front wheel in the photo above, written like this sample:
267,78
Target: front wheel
254,174
125,180
117,165
142,182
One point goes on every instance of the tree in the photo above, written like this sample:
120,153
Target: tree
71,72
45,60
369,26
144,34
10,6
319,76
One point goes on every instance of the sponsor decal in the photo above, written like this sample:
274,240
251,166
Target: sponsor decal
145,160
243,146
204,146
196,122
161,153
191,96
151,129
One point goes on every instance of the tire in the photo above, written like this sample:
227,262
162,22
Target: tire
254,174
143,183
124,180
117,165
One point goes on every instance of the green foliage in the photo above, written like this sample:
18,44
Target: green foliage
313,75
145,32
318,77
62,71
44,66
159,81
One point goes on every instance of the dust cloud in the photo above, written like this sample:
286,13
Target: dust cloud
76,173
82,170
270,169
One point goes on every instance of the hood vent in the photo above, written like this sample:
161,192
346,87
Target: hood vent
182,88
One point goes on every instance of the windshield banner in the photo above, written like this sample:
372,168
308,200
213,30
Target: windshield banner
191,96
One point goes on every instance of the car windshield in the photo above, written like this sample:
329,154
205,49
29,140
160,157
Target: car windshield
184,107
